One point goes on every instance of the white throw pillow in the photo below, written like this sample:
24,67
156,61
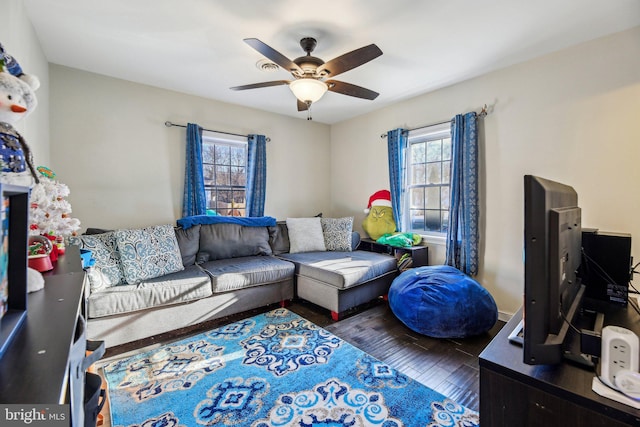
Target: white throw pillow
305,235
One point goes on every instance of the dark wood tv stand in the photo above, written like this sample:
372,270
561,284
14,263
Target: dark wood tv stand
513,393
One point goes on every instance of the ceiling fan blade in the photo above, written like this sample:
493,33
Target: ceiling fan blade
351,90
302,106
263,84
273,55
350,60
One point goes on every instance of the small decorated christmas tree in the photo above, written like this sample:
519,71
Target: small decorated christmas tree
50,212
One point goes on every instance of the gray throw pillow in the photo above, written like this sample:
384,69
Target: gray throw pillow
189,243
305,235
279,238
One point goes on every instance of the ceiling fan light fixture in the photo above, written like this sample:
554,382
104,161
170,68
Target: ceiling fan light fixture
308,90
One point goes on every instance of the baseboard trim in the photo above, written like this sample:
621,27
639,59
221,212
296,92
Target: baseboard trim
505,317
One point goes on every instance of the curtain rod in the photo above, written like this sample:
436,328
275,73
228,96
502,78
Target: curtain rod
169,124
481,114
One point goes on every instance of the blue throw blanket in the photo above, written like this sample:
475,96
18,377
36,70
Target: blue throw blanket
259,221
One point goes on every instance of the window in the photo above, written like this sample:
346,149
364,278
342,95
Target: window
428,179
224,163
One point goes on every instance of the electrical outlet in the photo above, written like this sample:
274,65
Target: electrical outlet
620,352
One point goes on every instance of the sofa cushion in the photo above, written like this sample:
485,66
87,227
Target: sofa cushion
223,241
186,285
342,269
107,270
189,243
305,235
237,273
337,233
149,252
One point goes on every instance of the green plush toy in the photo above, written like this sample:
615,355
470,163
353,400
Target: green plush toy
379,220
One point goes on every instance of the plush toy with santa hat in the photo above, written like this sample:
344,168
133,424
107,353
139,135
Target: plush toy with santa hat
379,220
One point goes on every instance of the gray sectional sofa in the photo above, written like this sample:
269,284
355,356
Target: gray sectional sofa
157,279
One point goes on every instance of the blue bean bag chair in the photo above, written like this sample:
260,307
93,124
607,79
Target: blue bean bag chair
442,302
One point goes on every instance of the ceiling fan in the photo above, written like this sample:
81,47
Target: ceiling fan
310,73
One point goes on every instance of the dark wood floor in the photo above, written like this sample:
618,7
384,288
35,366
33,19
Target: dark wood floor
449,366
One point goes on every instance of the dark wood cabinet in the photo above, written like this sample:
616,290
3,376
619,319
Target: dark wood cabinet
419,254
513,393
35,367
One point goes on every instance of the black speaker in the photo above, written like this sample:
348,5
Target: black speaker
606,265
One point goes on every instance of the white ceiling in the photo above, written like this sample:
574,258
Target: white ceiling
196,47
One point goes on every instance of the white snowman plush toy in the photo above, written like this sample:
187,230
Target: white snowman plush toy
17,100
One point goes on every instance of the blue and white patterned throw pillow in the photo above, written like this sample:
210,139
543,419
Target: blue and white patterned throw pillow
149,252
337,233
107,270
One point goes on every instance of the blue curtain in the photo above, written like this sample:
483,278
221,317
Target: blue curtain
256,175
397,146
194,200
462,233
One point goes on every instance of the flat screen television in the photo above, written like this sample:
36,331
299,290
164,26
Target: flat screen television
552,255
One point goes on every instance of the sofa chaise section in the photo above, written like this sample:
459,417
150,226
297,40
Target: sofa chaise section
339,277
339,281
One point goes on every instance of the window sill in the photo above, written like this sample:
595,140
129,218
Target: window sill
431,239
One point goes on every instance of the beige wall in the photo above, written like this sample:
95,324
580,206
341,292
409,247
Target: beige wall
572,116
19,40
125,168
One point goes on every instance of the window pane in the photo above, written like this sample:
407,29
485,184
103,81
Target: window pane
418,174
239,197
446,172
446,149
237,156
209,174
238,176
417,198
208,151
222,175
417,219
417,152
224,198
432,195
239,203
444,192
223,154
445,221
433,173
434,151
432,220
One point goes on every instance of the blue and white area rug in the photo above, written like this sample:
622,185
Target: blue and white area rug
272,370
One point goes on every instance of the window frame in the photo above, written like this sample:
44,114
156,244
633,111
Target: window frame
441,131
232,141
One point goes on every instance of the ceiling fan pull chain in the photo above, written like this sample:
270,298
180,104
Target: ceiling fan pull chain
309,110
